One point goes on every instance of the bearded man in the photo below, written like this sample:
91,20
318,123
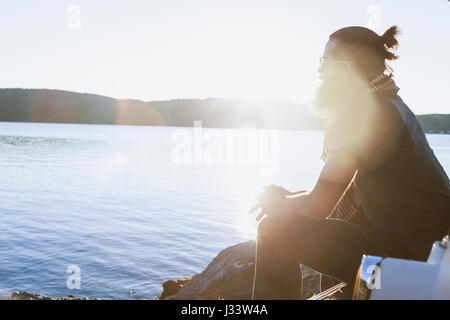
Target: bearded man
381,190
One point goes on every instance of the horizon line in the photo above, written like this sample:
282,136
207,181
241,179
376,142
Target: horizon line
163,100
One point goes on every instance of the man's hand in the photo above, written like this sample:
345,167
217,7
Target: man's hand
271,201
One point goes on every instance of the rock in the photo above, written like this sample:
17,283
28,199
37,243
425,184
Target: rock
230,276
24,295
171,288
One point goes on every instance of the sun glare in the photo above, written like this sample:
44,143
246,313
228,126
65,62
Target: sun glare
245,183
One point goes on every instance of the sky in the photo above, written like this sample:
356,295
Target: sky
250,49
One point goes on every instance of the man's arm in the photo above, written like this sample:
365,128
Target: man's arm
336,175
364,137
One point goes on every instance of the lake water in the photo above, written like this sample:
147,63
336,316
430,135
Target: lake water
115,202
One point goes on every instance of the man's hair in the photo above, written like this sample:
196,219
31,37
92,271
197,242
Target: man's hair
369,50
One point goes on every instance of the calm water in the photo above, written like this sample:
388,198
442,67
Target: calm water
114,201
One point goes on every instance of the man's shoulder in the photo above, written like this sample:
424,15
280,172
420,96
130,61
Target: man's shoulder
364,109
384,110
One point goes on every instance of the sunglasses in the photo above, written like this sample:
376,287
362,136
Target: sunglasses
322,61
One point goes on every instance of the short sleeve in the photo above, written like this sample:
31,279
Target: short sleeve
369,130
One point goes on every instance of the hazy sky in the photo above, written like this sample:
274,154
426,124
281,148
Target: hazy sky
154,50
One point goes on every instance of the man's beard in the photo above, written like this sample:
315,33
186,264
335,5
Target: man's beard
329,93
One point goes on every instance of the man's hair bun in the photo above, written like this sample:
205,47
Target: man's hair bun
390,41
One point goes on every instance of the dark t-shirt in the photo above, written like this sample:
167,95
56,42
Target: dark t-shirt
403,189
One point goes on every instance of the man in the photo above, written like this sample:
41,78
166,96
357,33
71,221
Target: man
379,174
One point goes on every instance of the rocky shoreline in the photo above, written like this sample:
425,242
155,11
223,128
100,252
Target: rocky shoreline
229,276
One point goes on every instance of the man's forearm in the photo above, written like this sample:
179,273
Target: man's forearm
300,204
335,176
319,202
298,192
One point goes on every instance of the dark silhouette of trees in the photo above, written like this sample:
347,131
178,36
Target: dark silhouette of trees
43,105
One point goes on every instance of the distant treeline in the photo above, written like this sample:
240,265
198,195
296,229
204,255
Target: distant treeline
435,123
43,105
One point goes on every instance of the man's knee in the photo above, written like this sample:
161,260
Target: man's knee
287,226
274,226
263,226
